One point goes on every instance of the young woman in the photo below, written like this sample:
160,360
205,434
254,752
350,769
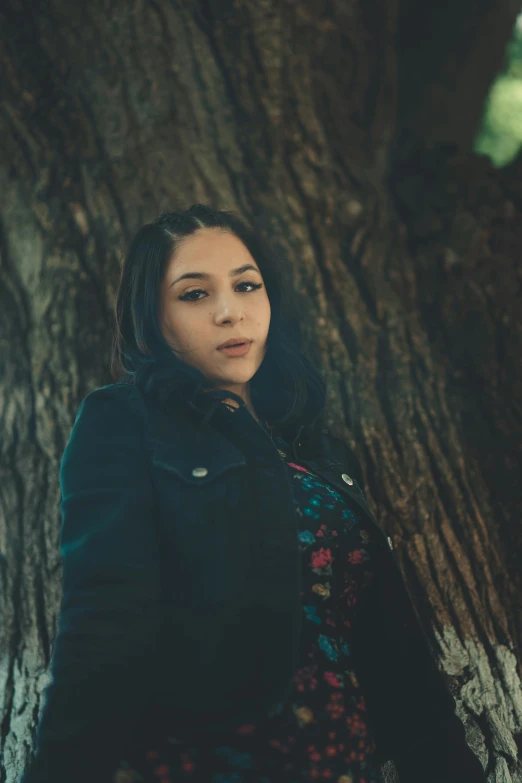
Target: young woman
232,611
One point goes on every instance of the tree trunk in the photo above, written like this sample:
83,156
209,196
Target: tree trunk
344,130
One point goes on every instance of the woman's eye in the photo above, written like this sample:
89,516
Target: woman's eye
185,297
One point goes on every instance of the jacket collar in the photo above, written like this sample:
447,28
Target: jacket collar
170,386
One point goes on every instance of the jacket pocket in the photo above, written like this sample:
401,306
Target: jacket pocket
206,521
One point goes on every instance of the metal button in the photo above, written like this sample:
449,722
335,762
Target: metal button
199,472
390,542
346,477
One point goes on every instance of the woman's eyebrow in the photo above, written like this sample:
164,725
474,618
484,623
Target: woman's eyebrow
206,275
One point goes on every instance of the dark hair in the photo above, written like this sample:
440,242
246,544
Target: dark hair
287,390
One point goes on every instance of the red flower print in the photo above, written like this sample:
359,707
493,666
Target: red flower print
303,675
298,467
356,556
349,591
331,750
246,728
356,725
332,679
336,711
321,558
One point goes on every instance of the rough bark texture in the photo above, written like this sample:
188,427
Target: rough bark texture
345,129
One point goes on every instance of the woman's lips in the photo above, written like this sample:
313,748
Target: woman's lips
236,350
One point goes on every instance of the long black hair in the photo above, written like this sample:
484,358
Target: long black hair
288,391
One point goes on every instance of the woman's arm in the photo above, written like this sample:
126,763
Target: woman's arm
110,611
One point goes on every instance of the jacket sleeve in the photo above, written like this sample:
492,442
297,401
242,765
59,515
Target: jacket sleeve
109,616
410,706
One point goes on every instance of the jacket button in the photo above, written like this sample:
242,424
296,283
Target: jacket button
199,472
346,477
390,542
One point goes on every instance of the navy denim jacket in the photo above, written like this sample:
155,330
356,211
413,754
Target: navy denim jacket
145,497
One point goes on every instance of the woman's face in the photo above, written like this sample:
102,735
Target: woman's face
197,315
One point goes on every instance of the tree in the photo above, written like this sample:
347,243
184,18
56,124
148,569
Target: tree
346,131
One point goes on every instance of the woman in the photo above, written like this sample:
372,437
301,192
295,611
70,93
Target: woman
232,611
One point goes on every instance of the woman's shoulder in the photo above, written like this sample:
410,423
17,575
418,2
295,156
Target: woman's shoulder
118,391
124,397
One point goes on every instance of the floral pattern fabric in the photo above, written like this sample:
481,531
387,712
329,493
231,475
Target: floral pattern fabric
322,732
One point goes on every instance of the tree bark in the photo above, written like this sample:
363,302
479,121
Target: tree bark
344,131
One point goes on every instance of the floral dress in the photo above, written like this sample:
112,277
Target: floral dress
322,733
